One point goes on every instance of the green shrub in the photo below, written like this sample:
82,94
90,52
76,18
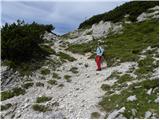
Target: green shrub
65,57
74,70
67,77
20,41
27,85
146,66
11,93
105,87
43,99
45,71
47,49
150,84
95,115
52,82
6,95
80,48
40,108
18,91
55,75
6,106
125,78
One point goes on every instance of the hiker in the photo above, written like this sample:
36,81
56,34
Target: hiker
99,53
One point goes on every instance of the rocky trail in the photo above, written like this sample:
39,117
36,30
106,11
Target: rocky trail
76,98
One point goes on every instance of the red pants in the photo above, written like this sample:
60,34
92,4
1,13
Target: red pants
98,61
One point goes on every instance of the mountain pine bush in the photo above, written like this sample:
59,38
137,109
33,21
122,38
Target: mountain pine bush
20,41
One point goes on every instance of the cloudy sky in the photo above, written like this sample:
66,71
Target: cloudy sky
65,16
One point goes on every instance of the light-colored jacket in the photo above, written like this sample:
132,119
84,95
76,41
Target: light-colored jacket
99,51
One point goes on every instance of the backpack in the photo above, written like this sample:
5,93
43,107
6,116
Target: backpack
101,51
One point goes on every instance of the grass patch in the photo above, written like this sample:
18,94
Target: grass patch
67,77
55,75
82,48
27,85
43,99
125,78
95,115
11,93
6,106
105,87
74,70
146,66
39,84
64,57
134,39
52,82
47,49
45,71
115,74
141,104
40,108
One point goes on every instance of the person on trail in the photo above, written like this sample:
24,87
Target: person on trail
99,53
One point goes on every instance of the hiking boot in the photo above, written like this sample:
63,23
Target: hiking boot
98,70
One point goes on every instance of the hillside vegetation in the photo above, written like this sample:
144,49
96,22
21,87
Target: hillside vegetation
124,47
133,9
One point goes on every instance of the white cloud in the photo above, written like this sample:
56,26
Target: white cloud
70,14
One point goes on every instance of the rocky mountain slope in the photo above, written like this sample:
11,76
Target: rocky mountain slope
67,84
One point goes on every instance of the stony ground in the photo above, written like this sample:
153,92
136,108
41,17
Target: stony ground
76,98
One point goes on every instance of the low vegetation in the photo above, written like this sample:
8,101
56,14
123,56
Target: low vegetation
65,57
6,106
45,71
146,67
105,87
40,108
55,75
133,8
47,49
27,85
11,93
141,104
74,70
114,74
82,48
43,99
52,82
95,115
124,47
67,77
125,78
